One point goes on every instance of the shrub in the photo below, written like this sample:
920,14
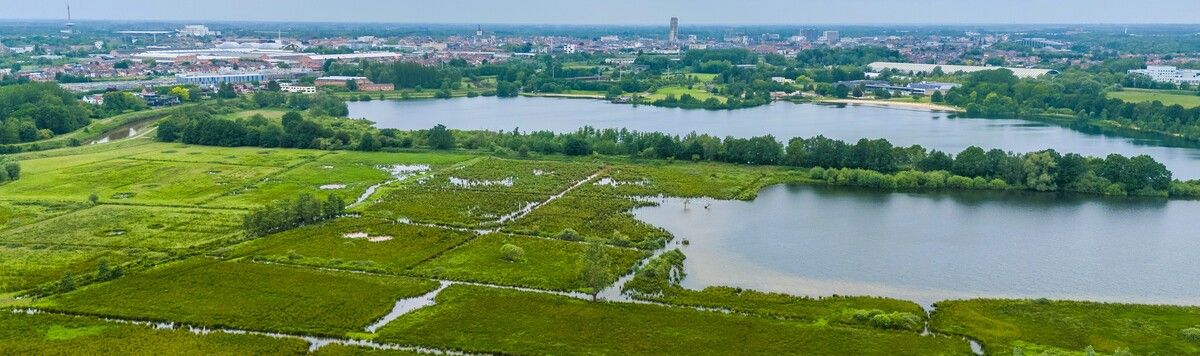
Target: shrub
512,253
894,320
569,235
1190,334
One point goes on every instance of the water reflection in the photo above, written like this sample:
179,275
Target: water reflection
933,130
925,247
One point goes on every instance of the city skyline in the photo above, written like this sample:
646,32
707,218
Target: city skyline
699,12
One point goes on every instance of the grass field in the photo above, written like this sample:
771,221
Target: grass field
18,213
593,216
171,216
1166,97
345,174
131,226
245,295
495,320
1057,326
683,180
43,334
27,267
699,93
549,264
136,181
326,245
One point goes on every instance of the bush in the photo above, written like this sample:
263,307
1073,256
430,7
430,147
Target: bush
512,253
1190,334
569,235
894,320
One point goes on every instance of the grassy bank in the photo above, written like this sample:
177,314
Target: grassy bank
1068,326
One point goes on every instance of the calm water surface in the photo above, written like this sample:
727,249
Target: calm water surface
925,247
784,120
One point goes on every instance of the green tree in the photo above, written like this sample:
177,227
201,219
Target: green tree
351,85
595,274
440,138
1039,170
971,162
936,97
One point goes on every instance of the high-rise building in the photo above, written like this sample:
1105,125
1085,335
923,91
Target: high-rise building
810,34
673,36
832,37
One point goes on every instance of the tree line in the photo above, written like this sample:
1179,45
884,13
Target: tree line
998,93
207,125
898,167
292,213
35,111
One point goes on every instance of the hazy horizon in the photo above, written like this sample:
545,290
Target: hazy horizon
632,13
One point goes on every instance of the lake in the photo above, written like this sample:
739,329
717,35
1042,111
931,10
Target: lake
925,247
784,120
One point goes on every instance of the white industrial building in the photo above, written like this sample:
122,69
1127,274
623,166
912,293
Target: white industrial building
1169,74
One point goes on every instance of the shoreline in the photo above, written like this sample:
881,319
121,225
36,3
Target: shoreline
893,104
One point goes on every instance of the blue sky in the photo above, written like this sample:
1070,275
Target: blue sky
624,11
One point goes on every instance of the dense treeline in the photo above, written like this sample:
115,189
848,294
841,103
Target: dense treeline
876,163
9,170
292,213
34,111
206,125
998,93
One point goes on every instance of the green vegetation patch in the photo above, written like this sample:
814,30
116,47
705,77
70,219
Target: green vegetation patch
245,295
345,174
347,350
844,310
27,267
18,213
697,92
495,174
132,226
721,181
450,206
544,264
364,244
1166,97
245,156
1000,325
485,319
136,181
603,217
45,161
46,334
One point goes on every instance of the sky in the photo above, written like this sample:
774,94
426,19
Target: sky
624,12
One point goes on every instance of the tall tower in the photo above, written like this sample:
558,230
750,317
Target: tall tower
673,36
69,27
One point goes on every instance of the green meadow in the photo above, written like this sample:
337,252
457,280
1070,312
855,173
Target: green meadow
169,217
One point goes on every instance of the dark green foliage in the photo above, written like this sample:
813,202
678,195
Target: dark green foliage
998,93
118,102
440,138
289,214
9,170
658,276
27,109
